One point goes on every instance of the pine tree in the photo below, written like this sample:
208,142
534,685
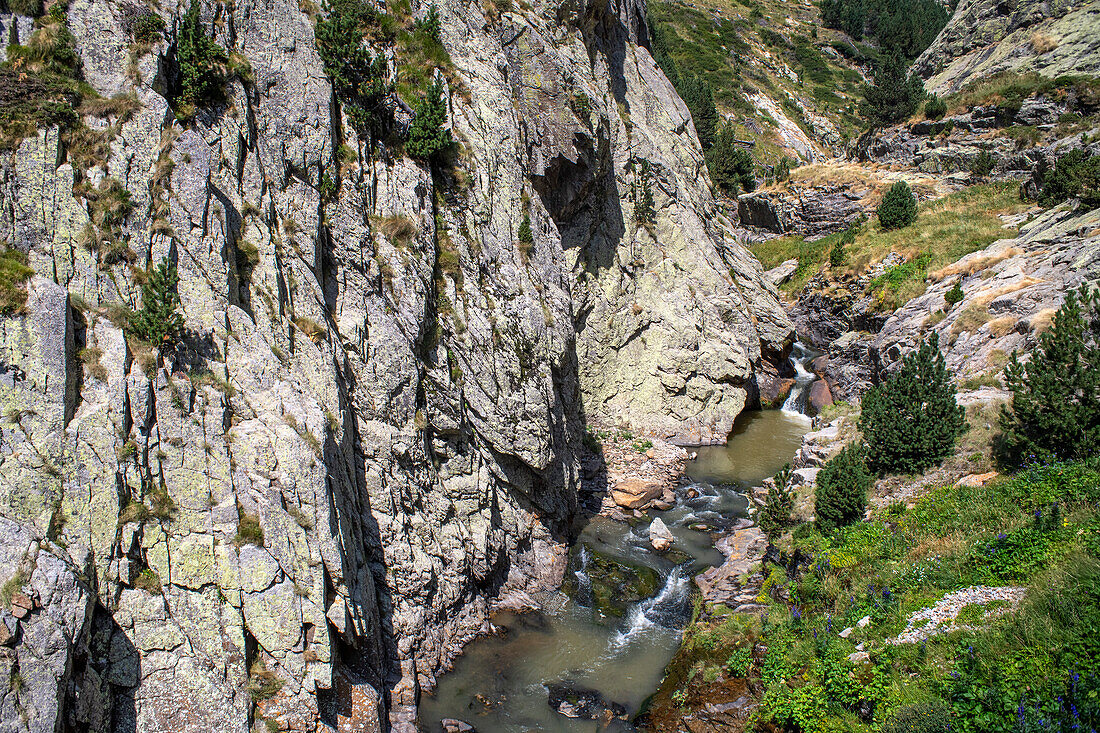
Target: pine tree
731,168
699,99
841,494
911,420
524,234
837,254
159,321
200,63
429,137
775,516
893,97
360,79
1056,395
898,208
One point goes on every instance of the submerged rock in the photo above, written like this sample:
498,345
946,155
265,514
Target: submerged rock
583,703
608,584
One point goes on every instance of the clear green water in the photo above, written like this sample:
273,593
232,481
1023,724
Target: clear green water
499,683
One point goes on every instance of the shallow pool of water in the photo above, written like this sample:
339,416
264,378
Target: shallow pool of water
499,684
761,442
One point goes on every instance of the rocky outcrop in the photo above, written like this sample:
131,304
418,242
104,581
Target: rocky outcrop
370,431
1011,290
811,212
957,147
984,37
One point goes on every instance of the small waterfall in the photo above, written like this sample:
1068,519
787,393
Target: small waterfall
803,377
666,609
584,583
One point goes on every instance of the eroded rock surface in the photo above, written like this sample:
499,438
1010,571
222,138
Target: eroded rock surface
984,37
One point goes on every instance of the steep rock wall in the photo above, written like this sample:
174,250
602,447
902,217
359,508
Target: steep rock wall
370,433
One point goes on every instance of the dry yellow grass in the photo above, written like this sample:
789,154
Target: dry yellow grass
974,264
1042,321
398,229
1002,326
1042,43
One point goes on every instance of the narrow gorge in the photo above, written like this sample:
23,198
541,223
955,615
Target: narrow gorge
398,366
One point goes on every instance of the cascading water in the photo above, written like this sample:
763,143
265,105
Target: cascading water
803,378
584,583
666,609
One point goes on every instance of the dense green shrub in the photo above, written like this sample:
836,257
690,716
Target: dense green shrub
29,8
982,164
893,97
898,208
1075,175
200,66
841,495
935,108
159,321
731,166
359,78
141,24
911,420
1056,395
954,296
429,137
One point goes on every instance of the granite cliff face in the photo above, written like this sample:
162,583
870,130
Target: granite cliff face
370,433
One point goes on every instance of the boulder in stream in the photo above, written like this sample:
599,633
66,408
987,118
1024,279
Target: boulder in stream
660,536
583,702
636,493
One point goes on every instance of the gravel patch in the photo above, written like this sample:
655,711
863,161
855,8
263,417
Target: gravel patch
940,618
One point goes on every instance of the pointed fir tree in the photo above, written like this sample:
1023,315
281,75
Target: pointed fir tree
1056,395
429,137
699,99
841,494
159,321
731,168
893,97
911,421
775,516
